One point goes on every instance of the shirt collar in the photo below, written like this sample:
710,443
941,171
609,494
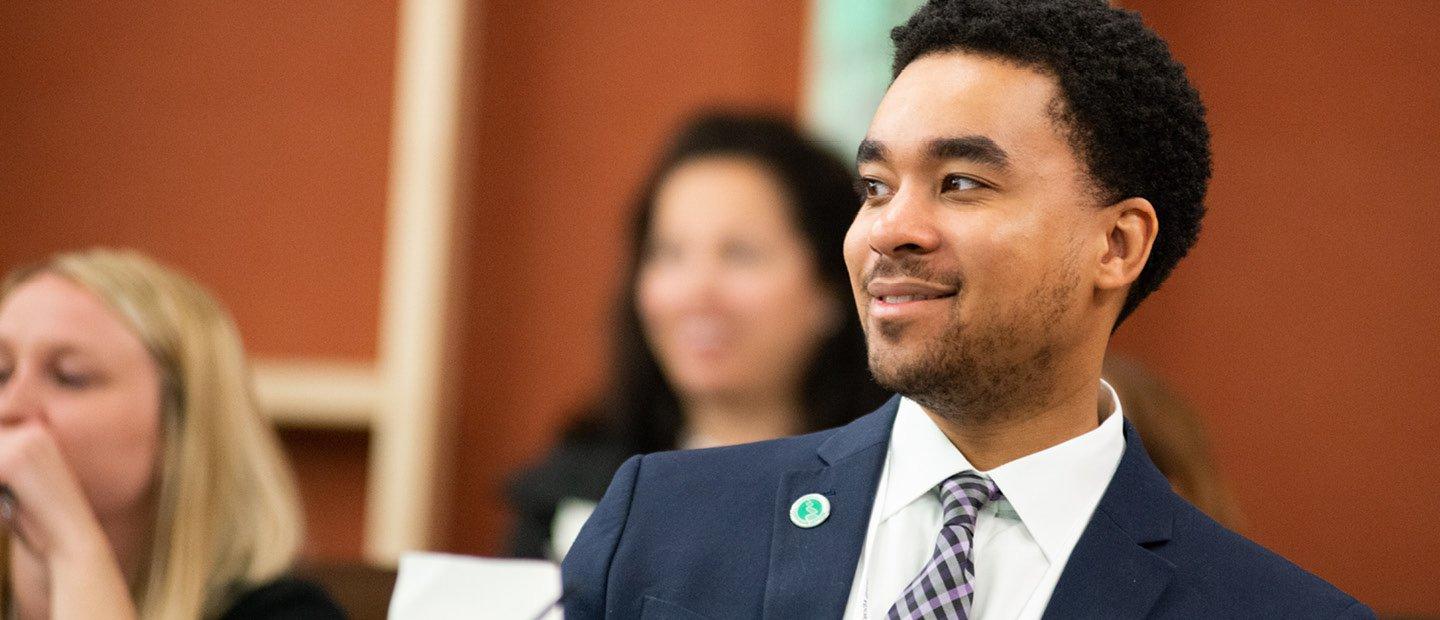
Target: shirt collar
1054,491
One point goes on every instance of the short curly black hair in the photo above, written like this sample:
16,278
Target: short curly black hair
1130,113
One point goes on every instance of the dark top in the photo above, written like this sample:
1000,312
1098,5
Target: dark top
579,467
707,534
285,598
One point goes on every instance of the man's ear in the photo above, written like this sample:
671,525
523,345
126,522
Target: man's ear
1130,230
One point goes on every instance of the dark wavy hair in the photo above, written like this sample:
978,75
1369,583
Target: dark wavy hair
1132,116
642,409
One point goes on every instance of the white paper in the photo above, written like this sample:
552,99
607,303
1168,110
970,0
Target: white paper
570,515
438,586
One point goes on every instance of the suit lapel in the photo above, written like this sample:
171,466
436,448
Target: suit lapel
1109,576
811,569
1112,573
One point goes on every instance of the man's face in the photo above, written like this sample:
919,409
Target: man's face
967,258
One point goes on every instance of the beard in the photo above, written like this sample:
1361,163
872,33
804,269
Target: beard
997,367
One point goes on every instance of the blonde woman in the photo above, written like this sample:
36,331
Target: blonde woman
141,480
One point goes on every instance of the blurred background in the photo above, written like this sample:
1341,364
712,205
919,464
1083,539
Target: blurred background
417,213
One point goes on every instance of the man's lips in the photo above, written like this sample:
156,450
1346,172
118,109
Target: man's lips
892,298
900,291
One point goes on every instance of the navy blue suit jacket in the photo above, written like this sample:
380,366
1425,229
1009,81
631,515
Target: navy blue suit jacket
707,534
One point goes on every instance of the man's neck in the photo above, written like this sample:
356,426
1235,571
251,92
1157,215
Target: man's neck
993,440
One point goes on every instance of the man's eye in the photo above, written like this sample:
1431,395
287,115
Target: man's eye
959,183
873,188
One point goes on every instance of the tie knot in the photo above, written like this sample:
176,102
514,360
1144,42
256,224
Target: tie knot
965,493
945,587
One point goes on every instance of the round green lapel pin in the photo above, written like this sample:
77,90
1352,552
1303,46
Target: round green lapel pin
810,510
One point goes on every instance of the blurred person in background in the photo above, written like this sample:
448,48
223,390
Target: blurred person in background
721,340
1174,437
142,479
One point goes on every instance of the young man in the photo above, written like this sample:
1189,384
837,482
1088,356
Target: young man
1035,170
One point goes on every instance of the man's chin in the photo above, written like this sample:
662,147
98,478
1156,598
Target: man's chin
894,369
901,333
902,339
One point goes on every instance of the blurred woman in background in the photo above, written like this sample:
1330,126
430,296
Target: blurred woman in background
142,480
1174,436
736,321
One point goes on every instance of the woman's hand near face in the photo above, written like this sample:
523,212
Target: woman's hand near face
53,523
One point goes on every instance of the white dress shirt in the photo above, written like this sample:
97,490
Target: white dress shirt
1022,541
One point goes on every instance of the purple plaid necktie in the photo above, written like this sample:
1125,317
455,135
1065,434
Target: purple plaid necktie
945,587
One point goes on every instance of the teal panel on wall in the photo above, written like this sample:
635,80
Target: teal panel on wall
849,66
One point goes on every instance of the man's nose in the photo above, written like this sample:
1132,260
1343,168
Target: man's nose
906,225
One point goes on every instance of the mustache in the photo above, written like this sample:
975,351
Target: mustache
910,266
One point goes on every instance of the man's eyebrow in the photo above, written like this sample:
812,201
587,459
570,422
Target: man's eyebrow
978,149
871,150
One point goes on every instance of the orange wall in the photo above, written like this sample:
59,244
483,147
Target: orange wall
1305,322
245,142
228,138
575,100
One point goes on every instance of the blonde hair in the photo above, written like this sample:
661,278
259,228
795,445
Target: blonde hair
226,514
